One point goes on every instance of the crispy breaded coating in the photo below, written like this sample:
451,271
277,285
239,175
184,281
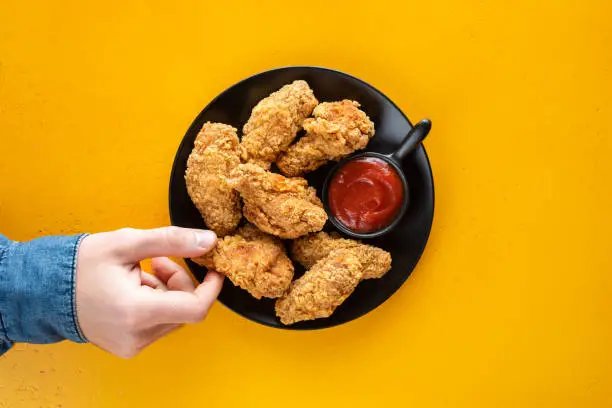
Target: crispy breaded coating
322,289
337,130
274,123
253,260
214,155
313,247
277,205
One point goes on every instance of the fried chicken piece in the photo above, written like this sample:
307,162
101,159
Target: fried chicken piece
252,260
215,154
311,248
322,289
275,121
337,130
277,205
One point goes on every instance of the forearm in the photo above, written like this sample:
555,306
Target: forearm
37,291
5,344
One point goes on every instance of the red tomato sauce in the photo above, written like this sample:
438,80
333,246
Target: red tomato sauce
366,194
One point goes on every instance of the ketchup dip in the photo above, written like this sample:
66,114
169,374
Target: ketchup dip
366,194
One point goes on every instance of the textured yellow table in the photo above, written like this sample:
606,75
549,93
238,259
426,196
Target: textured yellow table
511,305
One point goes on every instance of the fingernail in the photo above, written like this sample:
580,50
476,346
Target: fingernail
206,239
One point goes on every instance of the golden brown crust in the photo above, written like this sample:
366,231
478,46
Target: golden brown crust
214,155
274,123
252,260
322,289
313,247
281,206
337,130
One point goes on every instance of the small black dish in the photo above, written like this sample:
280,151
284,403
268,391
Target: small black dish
414,138
406,242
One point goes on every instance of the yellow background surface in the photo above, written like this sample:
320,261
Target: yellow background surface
511,305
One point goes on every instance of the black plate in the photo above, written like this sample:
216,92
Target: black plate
406,243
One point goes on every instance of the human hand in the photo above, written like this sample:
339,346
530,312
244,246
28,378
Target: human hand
123,309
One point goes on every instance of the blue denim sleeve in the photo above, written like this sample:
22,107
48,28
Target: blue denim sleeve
37,291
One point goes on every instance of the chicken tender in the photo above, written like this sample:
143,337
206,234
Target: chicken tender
252,260
215,154
277,205
337,130
310,249
322,289
274,123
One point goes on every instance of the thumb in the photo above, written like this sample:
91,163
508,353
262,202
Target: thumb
134,245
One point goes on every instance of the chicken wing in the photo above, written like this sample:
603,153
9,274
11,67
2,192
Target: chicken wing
311,248
252,260
337,130
322,289
285,207
215,154
275,121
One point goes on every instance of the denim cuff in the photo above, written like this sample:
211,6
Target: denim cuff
37,291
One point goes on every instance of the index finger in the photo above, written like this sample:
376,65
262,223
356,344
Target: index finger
184,307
